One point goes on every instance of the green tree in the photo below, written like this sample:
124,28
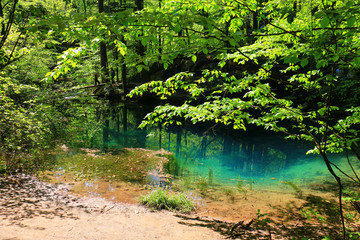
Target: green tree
296,73
24,129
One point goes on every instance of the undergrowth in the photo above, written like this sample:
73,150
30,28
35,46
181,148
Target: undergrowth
163,199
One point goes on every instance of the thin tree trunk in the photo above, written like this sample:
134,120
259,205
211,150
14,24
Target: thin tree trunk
338,180
178,142
84,4
139,4
116,68
106,134
124,72
125,124
160,136
103,51
2,17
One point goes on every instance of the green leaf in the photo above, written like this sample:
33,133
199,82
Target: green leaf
291,59
324,22
357,60
287,59
351,21
194,58
318,64
176,10
232,42
144,41
304,62
177,28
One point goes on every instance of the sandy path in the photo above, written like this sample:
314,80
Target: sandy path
125,223
30,209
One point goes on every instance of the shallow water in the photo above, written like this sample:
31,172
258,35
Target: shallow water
254,160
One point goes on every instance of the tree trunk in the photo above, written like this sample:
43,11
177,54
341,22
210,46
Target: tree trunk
116,68
140,49
125,124
124,73
2,17
106,134
103,51
160,136
178,142
84,4
101,6
139,4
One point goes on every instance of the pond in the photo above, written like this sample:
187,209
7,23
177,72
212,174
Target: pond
254,160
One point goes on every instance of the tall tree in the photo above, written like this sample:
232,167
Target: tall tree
103,51
297,77
7,21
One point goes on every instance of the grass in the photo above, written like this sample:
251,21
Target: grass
164,199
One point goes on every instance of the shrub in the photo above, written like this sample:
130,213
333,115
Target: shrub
163,199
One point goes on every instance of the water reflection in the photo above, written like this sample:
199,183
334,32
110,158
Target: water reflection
255,157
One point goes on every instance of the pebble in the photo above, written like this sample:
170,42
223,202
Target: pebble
25,196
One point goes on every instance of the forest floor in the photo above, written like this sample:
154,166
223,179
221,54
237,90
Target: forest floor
33,209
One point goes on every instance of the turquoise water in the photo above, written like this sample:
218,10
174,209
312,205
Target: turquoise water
254,159
253,165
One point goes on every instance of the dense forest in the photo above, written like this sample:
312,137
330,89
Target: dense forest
289,66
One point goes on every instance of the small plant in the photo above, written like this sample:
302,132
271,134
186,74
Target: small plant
240,185
259,215
264,221
353,198
230,193
353,235
211,176
163,199
251,184
298,192
309,213
202,185
352,217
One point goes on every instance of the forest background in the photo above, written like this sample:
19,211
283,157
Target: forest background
289,66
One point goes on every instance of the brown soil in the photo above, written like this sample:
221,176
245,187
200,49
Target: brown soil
81,214
30,209
120,222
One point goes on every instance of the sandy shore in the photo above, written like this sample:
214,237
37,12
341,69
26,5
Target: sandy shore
31,209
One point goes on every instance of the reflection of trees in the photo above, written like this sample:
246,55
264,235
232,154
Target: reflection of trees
253,152
178,142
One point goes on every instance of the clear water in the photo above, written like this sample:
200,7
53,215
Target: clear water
255,159
251,164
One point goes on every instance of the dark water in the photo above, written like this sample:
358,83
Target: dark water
254,158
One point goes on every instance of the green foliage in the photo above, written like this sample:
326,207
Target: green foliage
163,199
295,54
311,213
22,129
260,218
288,66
